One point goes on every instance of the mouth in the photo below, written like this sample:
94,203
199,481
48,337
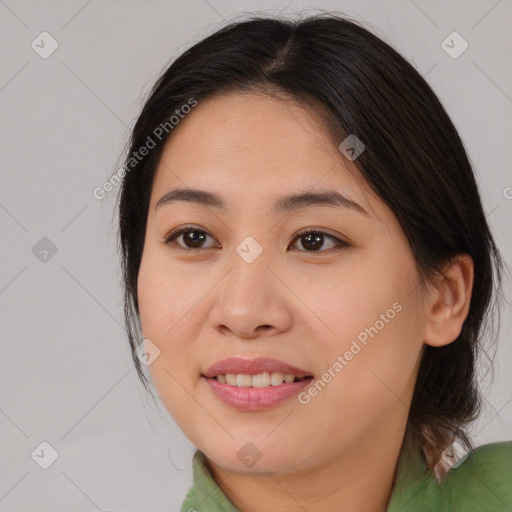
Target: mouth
262,368
259,380
249,398
257,384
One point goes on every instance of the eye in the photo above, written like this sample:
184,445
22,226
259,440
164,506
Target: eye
194,238
313,240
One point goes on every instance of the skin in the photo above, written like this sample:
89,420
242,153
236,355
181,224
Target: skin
339,451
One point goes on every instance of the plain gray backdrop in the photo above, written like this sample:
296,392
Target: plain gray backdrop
66,373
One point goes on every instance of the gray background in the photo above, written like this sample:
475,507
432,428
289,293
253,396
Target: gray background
65,369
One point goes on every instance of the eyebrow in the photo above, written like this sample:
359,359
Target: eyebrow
282,204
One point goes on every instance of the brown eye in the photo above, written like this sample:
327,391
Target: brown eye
192,238
313,241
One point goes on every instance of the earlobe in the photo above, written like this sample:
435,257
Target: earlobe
449,301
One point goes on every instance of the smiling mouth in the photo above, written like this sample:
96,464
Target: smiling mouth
259,380
256,392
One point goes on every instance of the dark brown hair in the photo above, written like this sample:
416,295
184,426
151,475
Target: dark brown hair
414,160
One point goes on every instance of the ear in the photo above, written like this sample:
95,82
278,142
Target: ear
448,302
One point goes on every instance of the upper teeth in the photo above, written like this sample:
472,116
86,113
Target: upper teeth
260,380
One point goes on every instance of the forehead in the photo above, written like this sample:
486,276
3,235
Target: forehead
255,144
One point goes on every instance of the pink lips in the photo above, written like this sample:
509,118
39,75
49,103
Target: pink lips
249,398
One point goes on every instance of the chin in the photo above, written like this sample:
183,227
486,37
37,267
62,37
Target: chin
249,460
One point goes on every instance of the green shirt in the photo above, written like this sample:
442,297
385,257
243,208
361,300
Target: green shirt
481,483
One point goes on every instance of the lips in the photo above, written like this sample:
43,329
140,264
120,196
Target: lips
237,365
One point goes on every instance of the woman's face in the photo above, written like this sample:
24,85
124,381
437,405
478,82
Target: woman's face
342,304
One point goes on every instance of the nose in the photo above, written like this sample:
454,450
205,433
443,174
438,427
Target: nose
251,301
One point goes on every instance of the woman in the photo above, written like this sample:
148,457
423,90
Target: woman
306,256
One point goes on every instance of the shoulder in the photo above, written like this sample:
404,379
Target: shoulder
481,481
489,460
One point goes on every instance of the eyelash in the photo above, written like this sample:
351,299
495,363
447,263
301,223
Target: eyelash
170,239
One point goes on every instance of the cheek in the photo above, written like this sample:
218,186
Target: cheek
347,303
372,325
168,298
168,315
157,303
